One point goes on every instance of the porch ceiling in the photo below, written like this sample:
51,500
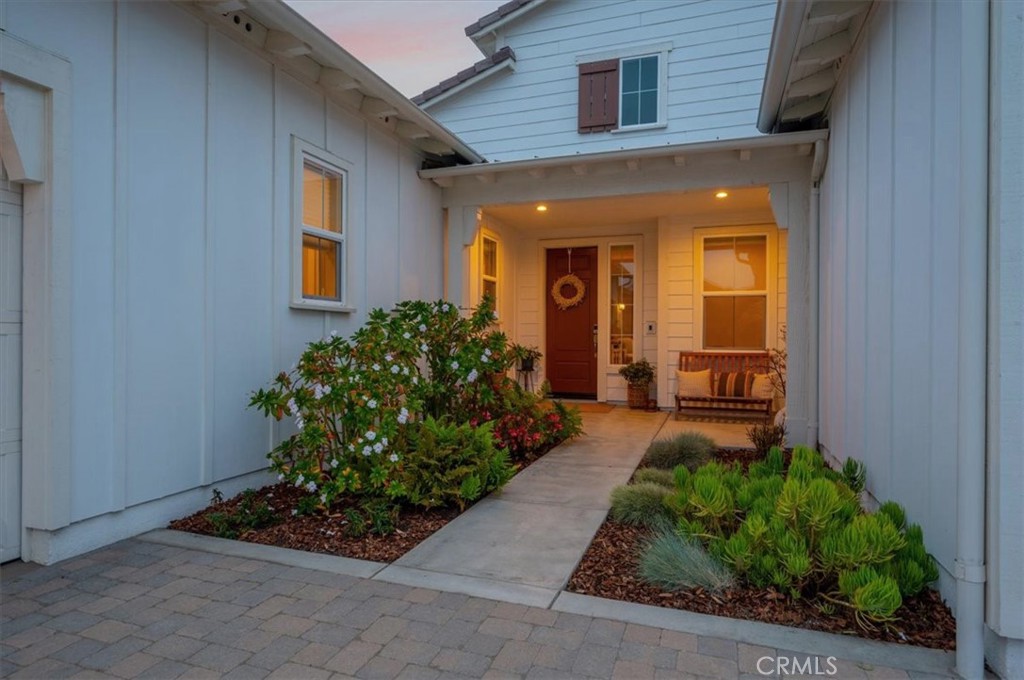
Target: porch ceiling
630,209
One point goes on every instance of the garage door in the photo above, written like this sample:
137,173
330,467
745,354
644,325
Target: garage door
10,370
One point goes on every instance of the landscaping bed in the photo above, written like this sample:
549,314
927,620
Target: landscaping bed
609,569
774,536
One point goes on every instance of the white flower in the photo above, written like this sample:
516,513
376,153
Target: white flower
351,447
445,307
395,369
311,487
376,367
378,447
323,498
367,450
473,375
405,370
407,335
403,416
423,347
487,351
294,512
318,391
423,328
280,478
371,435
334,334
334,462
384,441
300,423
293,408
372,403
393,457
415,380
484,359
300,480
389,358
327,389
455,365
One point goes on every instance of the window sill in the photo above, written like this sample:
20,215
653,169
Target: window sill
638,128
321,306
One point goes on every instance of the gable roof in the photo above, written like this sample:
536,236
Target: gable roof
503,58
488,20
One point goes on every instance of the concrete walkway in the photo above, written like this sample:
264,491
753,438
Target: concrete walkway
523,543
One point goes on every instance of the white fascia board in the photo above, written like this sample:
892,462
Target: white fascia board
508,18
509,64
328,53
669,151
789,22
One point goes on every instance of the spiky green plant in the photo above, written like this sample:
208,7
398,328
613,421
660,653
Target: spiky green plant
855,474
639,504
673,562
655,476
691,449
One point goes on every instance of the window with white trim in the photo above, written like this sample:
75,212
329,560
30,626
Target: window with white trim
734,292
321,229
489,268
623,91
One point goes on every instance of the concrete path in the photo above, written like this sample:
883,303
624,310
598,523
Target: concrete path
139,609
523,543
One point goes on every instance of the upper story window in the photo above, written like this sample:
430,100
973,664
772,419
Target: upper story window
320,234
627,92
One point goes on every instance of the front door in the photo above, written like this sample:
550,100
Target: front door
571,364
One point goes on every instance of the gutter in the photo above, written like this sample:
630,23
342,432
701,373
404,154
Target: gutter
808,137
972,338
292,22
789,18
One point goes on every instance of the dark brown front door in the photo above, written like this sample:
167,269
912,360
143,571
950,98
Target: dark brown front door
571,364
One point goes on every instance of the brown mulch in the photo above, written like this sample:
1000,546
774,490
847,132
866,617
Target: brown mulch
609,569
326,533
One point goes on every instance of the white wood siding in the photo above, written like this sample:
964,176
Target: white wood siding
181,253
715,73
889,260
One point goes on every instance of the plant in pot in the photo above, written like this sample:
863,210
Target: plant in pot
639,375
526,356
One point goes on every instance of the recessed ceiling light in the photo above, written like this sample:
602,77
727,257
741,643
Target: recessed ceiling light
722,194
542,208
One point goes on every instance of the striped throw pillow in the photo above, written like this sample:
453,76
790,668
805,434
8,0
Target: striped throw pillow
733,384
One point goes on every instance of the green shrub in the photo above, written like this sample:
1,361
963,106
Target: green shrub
803,531
673,562
449,464
640,504
250,513
691,449
764,435
655,476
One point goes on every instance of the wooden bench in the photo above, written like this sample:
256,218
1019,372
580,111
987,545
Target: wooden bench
724,362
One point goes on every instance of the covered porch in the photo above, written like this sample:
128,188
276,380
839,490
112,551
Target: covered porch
601,259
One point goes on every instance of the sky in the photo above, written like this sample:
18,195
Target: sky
413,44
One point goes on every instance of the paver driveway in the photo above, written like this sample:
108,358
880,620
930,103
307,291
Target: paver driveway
144,610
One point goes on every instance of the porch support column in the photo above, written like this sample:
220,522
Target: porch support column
790,205
463,225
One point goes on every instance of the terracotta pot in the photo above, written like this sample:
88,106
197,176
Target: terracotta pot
636,395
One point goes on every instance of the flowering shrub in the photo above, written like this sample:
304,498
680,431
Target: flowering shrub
355,402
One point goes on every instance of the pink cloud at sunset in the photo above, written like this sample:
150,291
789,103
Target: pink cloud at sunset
413,44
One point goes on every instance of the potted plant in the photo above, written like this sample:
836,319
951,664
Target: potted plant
639,375
526,356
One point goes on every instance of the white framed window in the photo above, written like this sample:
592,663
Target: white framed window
736,292
623,90
489,259
623,303
320,228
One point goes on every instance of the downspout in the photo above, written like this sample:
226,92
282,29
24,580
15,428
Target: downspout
814,286
969,569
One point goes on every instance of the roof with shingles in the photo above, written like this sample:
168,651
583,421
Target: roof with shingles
496,59
495,16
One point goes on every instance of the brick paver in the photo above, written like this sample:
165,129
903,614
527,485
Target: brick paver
142,610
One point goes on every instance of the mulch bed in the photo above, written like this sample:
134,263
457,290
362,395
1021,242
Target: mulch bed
326,533
610,566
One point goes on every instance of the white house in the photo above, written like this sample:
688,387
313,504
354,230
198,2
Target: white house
888,194
191,192
918,288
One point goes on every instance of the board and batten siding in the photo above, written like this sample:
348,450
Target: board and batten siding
889,266
182,165
715,71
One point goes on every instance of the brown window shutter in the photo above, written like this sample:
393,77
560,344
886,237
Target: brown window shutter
599,96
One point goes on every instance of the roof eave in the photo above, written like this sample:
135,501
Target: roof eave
487,29
789,19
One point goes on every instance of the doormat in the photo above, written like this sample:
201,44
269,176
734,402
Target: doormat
591,406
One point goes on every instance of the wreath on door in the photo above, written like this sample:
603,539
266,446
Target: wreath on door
579,290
